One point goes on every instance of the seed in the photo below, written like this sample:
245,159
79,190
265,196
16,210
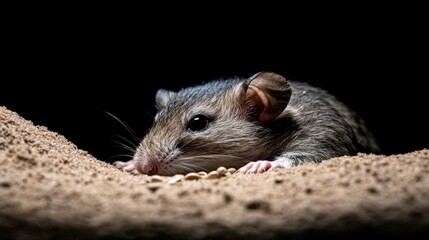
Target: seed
221,171
227,174
212,175
232,170
156,178
175,179
202,174
154,186
192,176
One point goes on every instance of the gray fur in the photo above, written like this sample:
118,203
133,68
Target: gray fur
313,127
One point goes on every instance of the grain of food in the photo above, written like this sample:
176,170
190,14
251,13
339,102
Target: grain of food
221,171
212,175
154,186
192,176
156,178
175,179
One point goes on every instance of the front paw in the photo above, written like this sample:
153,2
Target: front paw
259,167
127,166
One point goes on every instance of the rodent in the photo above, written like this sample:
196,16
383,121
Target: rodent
253,124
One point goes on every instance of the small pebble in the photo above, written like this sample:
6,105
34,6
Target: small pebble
372,190
278,180
227,197
257,204
5,184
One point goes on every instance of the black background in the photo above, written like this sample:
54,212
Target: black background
64,71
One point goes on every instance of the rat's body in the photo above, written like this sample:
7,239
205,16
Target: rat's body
254,124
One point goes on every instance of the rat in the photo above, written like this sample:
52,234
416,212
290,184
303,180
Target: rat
253,124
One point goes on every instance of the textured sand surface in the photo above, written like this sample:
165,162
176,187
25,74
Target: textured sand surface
49,189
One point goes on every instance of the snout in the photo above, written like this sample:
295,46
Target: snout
149,167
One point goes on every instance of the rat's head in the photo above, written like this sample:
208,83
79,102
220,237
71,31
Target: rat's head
221,123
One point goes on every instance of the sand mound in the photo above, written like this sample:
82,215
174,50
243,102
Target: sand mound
49,189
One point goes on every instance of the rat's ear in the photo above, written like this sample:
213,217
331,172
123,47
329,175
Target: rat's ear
162,97
268,95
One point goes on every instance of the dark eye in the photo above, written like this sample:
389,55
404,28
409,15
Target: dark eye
198,123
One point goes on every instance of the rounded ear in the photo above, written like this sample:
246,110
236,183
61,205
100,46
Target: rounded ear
162,97
268,94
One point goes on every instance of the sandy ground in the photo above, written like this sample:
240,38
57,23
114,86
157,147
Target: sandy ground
49,189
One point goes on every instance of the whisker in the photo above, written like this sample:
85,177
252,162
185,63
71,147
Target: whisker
124,146
185,144
218,160
133,134
193,167
182,168
124,155
226,141
149,113
126,140
169,172
119,155
238,140
200,157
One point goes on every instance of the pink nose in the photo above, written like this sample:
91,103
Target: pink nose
148,167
